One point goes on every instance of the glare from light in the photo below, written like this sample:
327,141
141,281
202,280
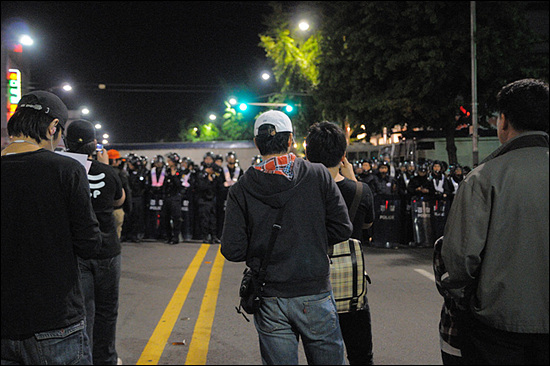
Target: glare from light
289,108
105,142
85,110
26,40
208,127
266,76
212,117
361,136
243,107
67,87
105,135
304,26
232,101
195,129
98,126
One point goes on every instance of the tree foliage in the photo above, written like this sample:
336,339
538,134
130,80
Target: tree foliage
387,63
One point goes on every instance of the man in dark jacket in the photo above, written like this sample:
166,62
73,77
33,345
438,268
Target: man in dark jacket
297,294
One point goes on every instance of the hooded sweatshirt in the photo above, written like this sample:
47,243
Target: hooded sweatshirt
315,217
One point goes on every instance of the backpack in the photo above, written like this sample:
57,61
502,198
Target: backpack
348,275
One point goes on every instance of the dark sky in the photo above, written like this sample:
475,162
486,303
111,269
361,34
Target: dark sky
203,50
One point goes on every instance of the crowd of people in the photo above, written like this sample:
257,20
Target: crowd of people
62,224
174,199
435,182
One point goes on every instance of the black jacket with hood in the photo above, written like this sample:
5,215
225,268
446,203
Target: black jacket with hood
316,216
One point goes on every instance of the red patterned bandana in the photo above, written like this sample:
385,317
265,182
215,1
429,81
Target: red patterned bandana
281,165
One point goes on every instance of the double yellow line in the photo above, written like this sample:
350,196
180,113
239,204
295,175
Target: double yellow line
198,348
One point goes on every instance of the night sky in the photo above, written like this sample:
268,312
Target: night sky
200,51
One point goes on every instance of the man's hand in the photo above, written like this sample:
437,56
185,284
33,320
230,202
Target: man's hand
347,170
102,156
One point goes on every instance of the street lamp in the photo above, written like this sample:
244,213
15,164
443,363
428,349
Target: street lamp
85,111
26,40
212,117
304,25
232,101
265,75
98,126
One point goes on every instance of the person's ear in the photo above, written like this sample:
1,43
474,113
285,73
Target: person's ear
53,127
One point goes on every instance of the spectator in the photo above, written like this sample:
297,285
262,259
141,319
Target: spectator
101,273
47,220
297,299
115,160
326,143
495,246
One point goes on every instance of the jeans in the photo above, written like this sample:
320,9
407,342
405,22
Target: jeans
100,283
281,321
65,346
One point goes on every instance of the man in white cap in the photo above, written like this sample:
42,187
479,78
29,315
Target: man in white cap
303,199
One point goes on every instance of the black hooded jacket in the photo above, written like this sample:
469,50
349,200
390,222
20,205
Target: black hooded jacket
316,216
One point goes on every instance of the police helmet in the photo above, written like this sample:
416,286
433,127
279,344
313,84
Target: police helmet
174,157
209,153
158,159
231,153
256,160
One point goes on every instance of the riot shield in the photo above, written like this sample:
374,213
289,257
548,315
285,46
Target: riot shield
387,229
421,209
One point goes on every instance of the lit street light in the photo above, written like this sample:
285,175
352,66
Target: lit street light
85,110
212,117
232,101
304,26
26,40
98,126
265,76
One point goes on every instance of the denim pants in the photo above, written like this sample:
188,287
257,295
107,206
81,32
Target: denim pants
100,283
65,346
281,322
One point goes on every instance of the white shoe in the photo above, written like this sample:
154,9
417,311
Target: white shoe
119,361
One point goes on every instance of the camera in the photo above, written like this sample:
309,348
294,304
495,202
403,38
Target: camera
99,147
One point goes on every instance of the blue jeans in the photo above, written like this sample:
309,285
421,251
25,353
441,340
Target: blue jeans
281,321
100,283
65,346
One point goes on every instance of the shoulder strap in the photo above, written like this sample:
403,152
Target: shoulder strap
274,233
356,200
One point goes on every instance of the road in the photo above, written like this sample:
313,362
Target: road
177,306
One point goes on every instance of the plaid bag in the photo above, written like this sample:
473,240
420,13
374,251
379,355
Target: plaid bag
348,275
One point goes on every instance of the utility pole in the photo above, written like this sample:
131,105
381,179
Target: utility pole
475,137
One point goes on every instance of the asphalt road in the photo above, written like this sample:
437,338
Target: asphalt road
177,306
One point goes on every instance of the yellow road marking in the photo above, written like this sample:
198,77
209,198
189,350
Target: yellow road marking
154,348
198,348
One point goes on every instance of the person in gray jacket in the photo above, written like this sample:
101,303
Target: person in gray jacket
297,299
495,245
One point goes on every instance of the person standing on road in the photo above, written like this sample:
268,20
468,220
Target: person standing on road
171,208
495,246
120,212
326,143
297,299
101,273
47,221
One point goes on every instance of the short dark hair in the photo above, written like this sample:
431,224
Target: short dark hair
326,143
271,144
32,123
524,103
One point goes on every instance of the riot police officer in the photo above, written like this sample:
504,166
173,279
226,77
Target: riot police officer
155,198
171,208
208,182
187,204
231,172
137,179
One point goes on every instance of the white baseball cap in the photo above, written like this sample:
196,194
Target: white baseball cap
276,118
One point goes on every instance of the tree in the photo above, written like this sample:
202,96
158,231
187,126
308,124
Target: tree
295,59
235,126
387,63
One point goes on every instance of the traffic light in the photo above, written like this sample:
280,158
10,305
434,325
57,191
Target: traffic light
464,112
